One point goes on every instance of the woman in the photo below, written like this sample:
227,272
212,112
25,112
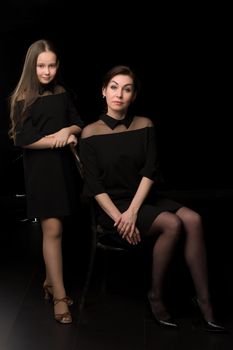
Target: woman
45,123
120,164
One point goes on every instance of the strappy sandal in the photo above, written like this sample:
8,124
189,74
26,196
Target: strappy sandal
65,317
48,294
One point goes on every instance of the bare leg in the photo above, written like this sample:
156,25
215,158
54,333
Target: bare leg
52,251
195,256
168,226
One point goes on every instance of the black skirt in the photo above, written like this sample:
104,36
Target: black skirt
146,215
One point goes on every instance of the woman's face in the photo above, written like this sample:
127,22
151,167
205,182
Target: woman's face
46,67
119,93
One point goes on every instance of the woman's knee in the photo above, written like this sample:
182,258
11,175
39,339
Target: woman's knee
192,219
169,223
174,226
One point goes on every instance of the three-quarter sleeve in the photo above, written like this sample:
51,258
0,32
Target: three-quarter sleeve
72,113
93,183
26,132
150,168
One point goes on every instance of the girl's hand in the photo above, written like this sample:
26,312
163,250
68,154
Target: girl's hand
72,140
61,138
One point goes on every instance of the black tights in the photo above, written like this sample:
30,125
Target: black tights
169,227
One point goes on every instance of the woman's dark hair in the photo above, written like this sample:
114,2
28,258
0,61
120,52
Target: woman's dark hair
123,70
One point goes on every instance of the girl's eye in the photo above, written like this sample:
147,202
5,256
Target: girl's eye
49,66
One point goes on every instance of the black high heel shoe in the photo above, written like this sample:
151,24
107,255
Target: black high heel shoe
211,325
166,322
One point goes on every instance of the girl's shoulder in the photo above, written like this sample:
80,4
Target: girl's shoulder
59,89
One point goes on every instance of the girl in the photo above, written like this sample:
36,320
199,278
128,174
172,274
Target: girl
45,123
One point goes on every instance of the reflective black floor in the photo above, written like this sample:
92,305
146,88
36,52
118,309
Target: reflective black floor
117,316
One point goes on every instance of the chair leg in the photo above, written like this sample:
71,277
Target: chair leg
86,286
104,272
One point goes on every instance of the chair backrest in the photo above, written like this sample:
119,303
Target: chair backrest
100,236
77,161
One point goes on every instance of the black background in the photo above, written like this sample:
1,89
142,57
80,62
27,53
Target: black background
181,55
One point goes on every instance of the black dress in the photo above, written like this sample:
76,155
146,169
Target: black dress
115,162
50,174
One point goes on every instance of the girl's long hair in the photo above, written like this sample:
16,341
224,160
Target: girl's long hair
27,88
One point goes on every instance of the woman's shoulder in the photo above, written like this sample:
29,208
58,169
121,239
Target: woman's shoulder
142,122
91,129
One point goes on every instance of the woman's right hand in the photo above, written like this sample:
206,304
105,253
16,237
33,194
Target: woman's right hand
126,223
127,229
134,238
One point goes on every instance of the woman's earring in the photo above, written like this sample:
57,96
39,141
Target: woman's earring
103,96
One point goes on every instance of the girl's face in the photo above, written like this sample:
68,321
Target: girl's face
46,67
119,93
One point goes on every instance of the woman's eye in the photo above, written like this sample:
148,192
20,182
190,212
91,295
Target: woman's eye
128,90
